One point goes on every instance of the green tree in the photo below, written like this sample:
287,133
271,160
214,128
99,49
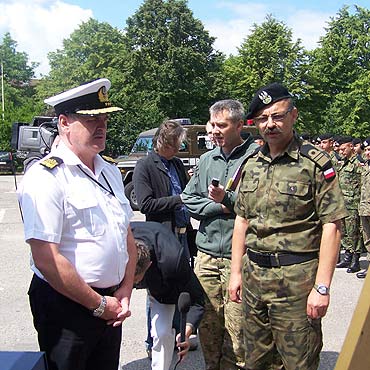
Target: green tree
172,66
92,51
268,54
340,68
18,91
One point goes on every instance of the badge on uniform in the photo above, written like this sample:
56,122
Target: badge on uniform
329,173
51,162
265,97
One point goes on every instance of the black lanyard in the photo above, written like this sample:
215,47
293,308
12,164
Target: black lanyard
110,190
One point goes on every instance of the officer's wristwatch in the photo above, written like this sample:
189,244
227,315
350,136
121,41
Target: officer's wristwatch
322,289
100,309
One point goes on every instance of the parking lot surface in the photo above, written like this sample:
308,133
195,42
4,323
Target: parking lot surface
18,333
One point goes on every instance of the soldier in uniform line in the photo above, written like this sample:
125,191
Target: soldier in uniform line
364,207
357,148
349,174
286,239
212,202
336,146
326,142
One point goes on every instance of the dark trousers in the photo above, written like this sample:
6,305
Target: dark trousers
71,336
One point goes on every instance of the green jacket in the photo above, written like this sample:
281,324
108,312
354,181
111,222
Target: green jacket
364,207
349,175
216,227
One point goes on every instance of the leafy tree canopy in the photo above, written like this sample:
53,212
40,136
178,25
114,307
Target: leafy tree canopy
18,92
340,68
171,59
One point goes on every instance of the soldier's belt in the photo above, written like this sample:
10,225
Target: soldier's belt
106,291
279,259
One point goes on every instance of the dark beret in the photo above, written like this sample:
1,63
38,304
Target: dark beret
344,139
305,136
356,141
325,137
366,143
267,95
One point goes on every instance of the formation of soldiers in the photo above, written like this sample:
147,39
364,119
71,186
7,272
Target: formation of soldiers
351,158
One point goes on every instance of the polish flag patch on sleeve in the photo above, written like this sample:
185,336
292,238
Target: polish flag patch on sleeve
329,174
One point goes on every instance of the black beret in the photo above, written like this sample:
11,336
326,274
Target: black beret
356,141
344,140
267,95
305,136
325,137
366,143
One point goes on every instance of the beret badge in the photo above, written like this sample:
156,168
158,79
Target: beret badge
265,97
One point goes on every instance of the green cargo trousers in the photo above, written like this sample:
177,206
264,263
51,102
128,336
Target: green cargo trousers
276,324
220,331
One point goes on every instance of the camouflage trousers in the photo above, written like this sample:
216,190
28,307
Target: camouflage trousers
351,232
365,223
277,332
220,331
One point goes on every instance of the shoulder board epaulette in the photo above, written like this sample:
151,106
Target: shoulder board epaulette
51,162
321,159
109,159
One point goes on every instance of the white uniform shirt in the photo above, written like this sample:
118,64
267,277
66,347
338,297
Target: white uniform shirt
65,206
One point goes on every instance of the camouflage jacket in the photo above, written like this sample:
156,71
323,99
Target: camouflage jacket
349,175
364,207
287,200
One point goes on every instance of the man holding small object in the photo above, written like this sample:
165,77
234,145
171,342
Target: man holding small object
209,197
76,220
163,268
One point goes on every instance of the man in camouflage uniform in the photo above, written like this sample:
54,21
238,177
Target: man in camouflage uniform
349,174
326,142
289,208
357,148
364,208
220,329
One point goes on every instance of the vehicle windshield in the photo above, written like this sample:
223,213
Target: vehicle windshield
145,144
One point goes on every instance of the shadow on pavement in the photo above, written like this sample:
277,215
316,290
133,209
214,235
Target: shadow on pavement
328,360
142,364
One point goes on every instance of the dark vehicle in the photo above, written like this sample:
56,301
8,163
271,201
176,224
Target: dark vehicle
6,162
197,143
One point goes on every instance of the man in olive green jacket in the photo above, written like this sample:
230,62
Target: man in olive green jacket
213,205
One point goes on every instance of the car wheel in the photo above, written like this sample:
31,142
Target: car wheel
131,196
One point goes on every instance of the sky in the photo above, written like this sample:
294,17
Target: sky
39,26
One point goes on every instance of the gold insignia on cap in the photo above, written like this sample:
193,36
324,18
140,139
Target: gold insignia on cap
265,97
103,95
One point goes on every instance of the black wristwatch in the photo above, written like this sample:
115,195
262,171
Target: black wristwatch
322,289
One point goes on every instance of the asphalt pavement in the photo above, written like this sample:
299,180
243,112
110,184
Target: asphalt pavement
18,333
